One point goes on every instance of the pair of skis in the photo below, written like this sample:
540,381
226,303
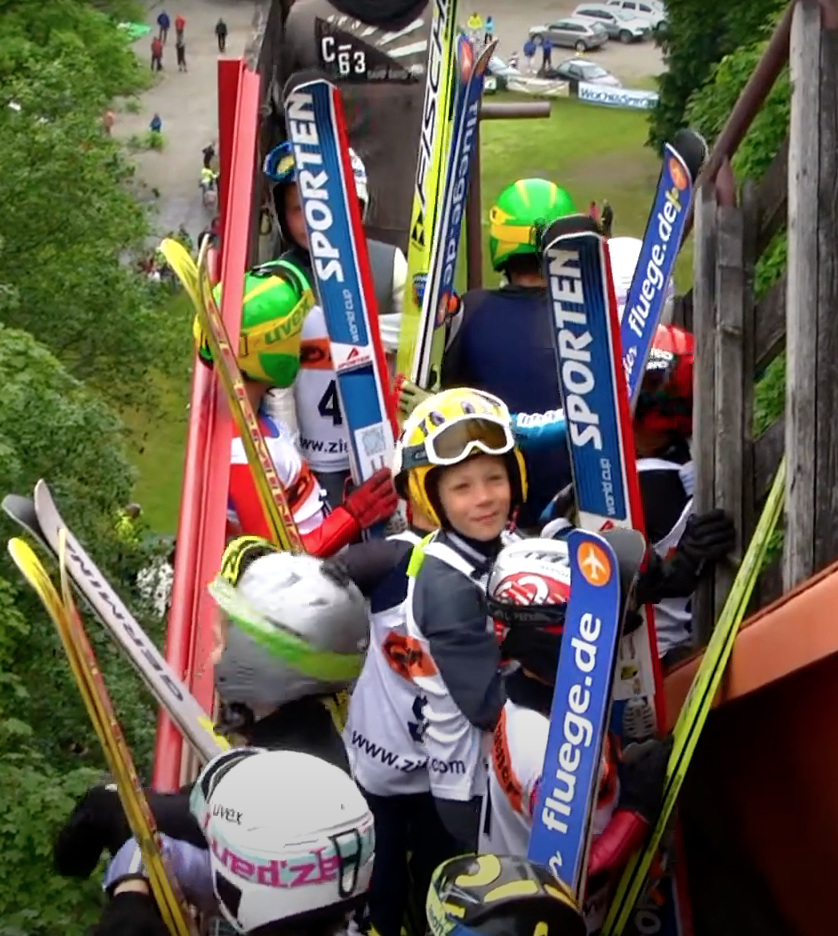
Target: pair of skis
40,518
600,363
437,114
195,280
340,263
698,703
62,610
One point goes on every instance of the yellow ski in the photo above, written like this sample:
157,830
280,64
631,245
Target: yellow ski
271,492
697,705
436,120
86,673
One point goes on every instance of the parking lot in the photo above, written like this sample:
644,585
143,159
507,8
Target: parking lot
630,63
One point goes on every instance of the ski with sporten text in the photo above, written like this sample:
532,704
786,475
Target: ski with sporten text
340,264
600,440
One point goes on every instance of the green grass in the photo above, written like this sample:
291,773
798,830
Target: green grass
593,152
158,440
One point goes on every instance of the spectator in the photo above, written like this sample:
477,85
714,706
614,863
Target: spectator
163,24
180,49
607,220
221,34
489,30
108,121
593,211
546,53
157,54
208,153
475,24
530,49
180,25
156,124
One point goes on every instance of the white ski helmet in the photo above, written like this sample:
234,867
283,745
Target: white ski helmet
289,834
529,581
297,627
624,253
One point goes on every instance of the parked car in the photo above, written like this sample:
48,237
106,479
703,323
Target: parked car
498,74
618,24
572,33
642,9
579,69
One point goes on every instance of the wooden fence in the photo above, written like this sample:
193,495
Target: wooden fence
738,336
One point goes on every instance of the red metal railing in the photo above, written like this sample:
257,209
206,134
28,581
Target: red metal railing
206,471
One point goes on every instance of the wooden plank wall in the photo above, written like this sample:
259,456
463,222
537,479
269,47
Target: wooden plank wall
738,336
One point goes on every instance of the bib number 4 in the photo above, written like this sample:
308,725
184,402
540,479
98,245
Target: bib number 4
329,405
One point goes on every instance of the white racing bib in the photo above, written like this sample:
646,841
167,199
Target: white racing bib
319,418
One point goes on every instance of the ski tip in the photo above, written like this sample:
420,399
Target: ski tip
692,148
629,547
569,226
300,79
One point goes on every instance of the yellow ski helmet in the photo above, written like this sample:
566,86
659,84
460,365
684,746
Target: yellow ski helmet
447,429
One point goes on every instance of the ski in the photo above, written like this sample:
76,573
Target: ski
437,112
340,264
595,400
468,92
272,495
698,703
646,296
94,693
44,524
603,572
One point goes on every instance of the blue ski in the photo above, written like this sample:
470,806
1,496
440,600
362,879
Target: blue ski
341,268
682,160
439,288
564,810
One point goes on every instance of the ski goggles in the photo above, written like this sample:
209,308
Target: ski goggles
453,443
510,614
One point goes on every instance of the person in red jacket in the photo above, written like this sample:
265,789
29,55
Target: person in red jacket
276,300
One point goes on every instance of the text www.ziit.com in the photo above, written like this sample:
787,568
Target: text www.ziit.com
327,446
577,734
406,764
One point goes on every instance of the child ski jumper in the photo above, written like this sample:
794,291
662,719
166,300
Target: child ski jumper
527,594
279,698
459,464
248,801
502,342
322,431
385,729
685,543
276,301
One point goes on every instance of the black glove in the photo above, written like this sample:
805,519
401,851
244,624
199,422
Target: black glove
96,823
130,914
642,779
708,537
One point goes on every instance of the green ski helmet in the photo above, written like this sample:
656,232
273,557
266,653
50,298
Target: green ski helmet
521,211
277,298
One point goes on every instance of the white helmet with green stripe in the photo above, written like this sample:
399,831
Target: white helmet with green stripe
296,627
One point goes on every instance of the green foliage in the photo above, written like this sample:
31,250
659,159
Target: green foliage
79,330
34,901
696,37
68,221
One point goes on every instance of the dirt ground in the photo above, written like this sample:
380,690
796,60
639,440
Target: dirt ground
186,102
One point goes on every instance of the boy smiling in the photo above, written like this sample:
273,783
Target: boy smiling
458,463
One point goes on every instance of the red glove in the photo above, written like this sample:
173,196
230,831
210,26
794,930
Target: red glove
374,501
370,503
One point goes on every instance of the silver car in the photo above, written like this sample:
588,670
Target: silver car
573,33
618,25
579,69
649,11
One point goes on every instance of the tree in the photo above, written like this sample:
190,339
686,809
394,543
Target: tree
696,37
70,225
